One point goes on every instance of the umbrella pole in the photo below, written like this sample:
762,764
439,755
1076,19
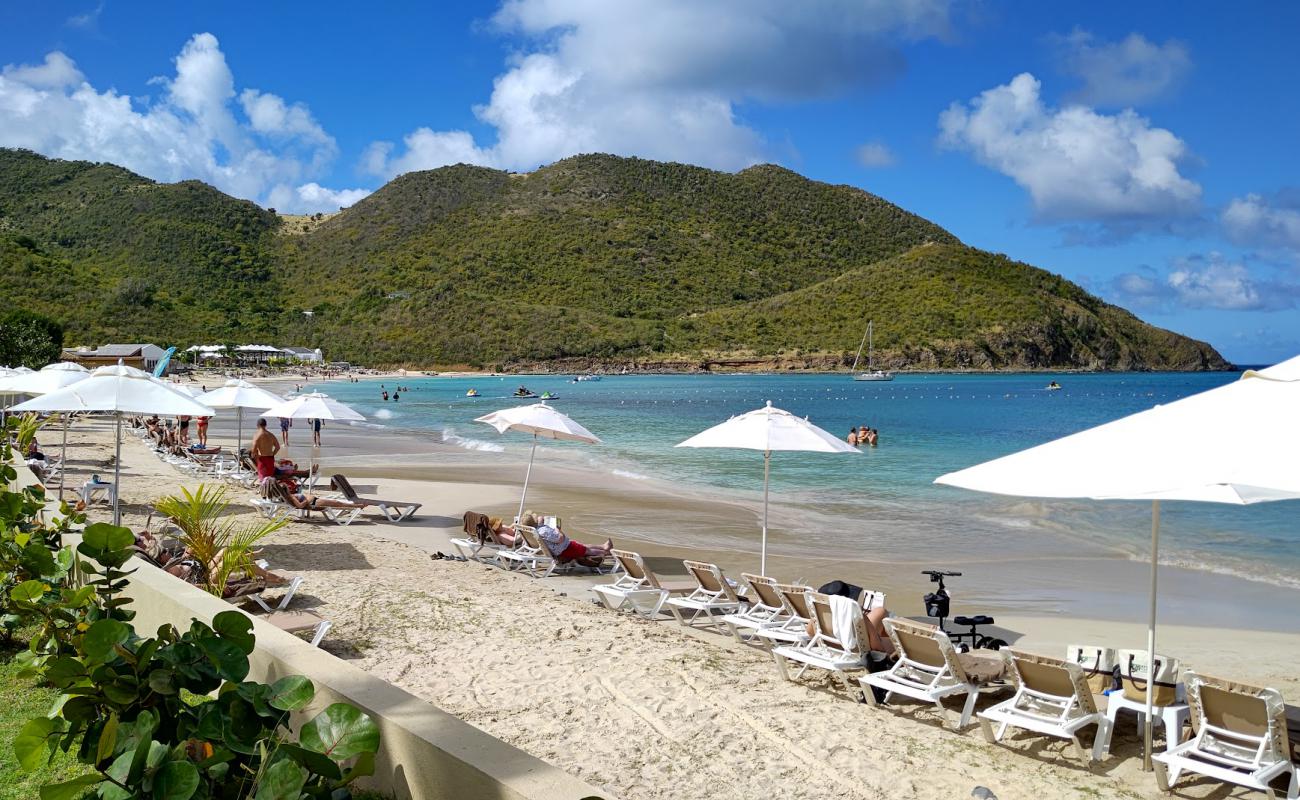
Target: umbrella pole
1151,635
63,455
239,437
527,475
117,472
767,470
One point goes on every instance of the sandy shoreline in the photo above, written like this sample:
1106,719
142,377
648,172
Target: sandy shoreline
647,709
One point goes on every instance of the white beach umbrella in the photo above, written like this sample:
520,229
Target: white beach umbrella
768,429
313,405
121,390
48,379
1234,444
543,422
240,394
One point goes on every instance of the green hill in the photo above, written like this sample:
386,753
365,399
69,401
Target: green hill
591,259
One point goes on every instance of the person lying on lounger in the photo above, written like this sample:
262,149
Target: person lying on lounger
562,548
875,617
313,502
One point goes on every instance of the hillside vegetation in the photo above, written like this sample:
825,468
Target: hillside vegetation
593,259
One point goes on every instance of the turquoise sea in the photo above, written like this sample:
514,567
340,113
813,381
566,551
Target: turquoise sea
882,501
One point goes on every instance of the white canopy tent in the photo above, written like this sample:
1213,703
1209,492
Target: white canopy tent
543,422
121,390
769,429
240,394
48,379
1234,444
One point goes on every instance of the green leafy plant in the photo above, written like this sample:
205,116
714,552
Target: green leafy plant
126,713
223,547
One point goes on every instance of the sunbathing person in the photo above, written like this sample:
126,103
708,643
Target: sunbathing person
562,548
874,618
310,502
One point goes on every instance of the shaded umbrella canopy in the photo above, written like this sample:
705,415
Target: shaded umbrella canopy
1233,444
238,393
314,405
540,420
122,390
48,379
119,388
769,429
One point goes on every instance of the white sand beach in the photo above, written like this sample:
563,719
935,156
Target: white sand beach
649,710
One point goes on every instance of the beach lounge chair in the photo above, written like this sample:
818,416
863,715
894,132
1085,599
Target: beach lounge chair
1052,698
712,593
927,669
275,503
825,650
480,541
638,589
794,628
529,553
765,608
1240,737
393,510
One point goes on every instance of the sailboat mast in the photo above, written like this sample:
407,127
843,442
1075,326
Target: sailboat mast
861,344
871,344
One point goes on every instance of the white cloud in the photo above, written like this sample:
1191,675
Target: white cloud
56,72
87,20
1077,164
1129,72
1257,221
1211,281
875,154
312,197
191,131
664,78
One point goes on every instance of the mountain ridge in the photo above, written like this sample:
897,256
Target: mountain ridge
594,259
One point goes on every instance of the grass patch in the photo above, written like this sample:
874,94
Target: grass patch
20,700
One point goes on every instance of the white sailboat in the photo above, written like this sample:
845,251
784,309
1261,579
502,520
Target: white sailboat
868,339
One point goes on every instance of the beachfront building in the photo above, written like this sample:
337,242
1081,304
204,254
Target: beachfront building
141,356
257,353
304,354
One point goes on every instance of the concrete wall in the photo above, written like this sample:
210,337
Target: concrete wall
425,752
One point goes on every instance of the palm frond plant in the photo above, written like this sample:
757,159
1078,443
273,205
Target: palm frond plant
29,425
223,546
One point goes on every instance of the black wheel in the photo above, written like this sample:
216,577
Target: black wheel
984,643
996,644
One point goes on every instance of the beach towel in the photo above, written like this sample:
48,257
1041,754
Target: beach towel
845,614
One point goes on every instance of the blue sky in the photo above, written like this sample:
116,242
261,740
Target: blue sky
1145,150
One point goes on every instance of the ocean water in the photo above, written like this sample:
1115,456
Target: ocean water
882,503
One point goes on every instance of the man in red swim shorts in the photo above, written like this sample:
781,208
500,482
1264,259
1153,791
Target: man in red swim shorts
263,450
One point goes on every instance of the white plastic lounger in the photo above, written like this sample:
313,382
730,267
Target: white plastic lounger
927,669
485,549
1241,738
638,589
712,593
793,629
529,553
393,510
1052,698
765,610
825,650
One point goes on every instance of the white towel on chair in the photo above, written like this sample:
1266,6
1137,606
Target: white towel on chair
844,616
